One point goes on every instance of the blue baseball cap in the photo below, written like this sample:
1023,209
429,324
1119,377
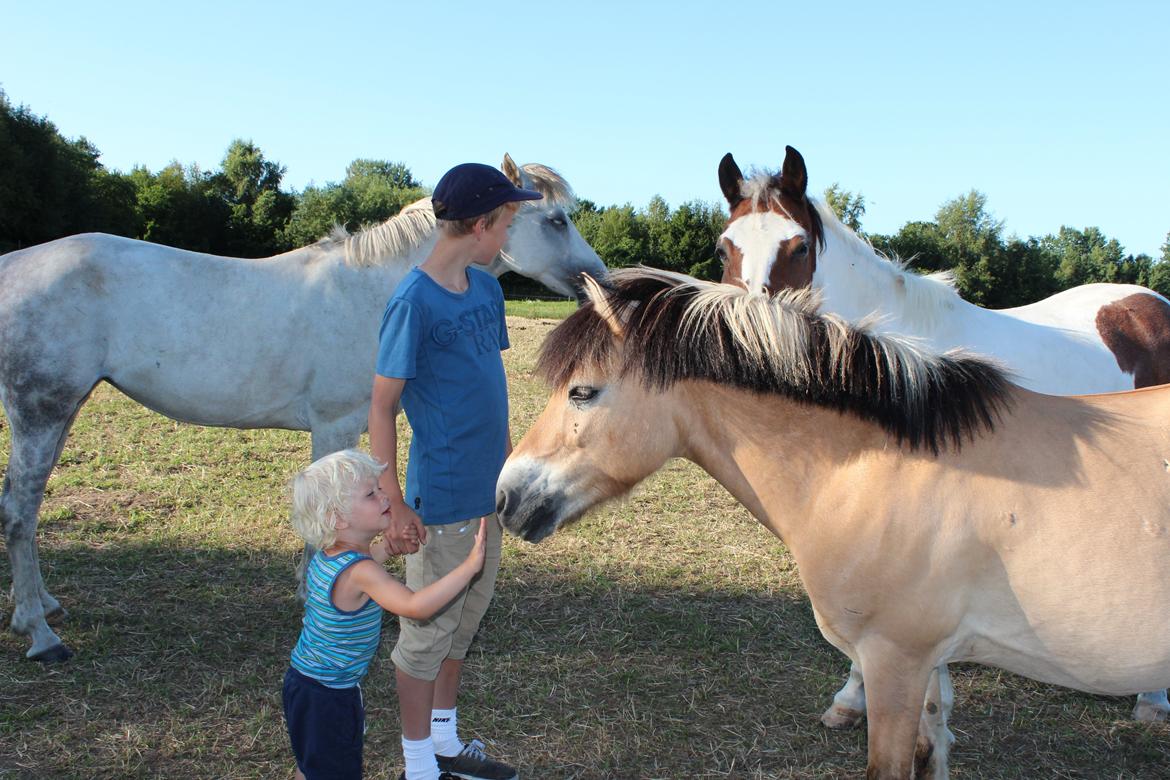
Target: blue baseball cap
472,190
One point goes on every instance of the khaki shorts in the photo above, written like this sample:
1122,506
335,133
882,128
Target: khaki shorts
423,645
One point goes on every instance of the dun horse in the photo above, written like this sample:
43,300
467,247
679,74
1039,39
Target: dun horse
285,342
1094,338
936,512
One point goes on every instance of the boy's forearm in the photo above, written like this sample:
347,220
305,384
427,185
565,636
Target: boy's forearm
429,600
384,447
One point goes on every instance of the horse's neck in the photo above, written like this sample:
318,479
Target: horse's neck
738,437
857,284
369,284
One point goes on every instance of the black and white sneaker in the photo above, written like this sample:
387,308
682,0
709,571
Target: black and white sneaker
473,764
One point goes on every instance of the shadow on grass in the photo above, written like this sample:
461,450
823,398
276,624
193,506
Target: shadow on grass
181,652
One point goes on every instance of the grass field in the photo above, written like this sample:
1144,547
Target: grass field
538,309
667,637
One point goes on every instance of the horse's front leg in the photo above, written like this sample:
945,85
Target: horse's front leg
896,684
848,707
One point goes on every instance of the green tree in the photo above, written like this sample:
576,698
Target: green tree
920,245
971,238
695,228
848,206
257,208
1089,256
617,235
1159,276
51,186
372,192
181,208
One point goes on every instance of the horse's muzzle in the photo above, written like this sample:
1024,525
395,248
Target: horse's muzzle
532,517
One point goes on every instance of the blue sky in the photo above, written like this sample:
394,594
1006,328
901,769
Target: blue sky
1058,112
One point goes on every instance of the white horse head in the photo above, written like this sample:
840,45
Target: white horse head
543,243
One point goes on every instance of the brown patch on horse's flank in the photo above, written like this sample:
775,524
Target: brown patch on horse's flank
1137,331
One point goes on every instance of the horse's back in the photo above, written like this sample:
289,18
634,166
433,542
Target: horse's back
1077,307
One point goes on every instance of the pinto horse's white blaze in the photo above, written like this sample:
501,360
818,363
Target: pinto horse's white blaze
758,238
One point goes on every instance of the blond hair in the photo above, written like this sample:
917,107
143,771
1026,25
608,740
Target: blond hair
324,491
462,227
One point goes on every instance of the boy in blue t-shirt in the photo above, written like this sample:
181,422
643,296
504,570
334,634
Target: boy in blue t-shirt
338,507
439,355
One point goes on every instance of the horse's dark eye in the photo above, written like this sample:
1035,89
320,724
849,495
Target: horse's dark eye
582,393
558,221
800,251
721,255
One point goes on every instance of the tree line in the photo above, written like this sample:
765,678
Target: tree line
51,186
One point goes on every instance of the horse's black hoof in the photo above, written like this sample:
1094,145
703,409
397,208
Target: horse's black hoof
54,655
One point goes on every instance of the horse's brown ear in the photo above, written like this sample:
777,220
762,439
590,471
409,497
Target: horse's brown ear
511,170
793,176
730,179
596,294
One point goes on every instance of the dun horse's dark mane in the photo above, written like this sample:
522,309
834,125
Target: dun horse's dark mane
676,328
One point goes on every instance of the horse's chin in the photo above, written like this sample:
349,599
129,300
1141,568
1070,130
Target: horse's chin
538,533
539,520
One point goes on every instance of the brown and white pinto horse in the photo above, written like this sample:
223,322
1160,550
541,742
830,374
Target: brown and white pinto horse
1091,339
936,512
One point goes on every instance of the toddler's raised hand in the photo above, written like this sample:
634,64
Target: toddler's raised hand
479,551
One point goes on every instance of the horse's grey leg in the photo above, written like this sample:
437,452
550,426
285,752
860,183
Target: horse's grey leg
848,707
31,462
934,738
329,437
52,607
1152,706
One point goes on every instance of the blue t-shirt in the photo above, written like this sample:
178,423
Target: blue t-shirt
447,346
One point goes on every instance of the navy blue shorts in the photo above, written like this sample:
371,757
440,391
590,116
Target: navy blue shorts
325,726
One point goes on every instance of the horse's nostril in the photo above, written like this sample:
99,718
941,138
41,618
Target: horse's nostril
501,502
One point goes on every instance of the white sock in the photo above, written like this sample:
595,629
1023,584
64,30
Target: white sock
420,759
445,732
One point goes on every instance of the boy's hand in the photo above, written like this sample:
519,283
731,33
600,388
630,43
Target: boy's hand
479,551
406,530
380,550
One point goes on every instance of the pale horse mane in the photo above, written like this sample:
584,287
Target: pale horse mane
777,331
926,297
394,238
